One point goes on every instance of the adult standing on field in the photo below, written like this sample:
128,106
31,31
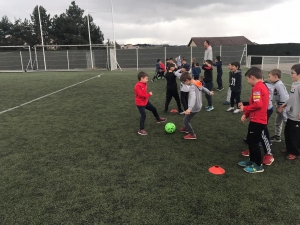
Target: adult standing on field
208,54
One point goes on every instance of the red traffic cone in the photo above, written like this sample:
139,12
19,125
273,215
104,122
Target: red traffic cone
217,170
174,111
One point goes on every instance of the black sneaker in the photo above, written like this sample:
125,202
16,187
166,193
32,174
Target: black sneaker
275,138
165,111
221,89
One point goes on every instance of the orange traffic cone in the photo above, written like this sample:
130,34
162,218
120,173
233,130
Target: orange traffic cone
174,111
217,170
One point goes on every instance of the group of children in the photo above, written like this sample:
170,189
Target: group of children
258,110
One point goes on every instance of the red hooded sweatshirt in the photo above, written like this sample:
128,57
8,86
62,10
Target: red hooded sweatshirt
141,94
162,67
258,104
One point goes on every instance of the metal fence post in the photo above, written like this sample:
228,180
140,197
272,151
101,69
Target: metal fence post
278,62
36,59
220,50
30,57
191,55
68,59
262,63
107,59
165,55
246,50
21,60
137,59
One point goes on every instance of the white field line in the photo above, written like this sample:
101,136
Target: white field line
26,103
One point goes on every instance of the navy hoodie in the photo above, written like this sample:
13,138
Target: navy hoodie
236,81
219,66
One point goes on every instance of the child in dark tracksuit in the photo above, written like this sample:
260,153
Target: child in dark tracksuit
172,88
184,89
196,71
235,86
218,64
208,80
157,70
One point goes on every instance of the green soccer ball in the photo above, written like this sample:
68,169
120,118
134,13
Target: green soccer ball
170,128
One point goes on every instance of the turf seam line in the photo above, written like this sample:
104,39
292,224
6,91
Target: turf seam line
26,103
287,84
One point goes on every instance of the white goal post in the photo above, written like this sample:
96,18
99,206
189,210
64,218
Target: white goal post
72,57
267,63
16,58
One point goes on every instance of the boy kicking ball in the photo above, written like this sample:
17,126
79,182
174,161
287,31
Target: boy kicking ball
142,102
194,103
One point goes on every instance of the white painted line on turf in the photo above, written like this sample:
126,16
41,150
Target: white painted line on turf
49,94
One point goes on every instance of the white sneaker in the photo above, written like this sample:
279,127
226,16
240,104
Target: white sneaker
237,111
182,113
230,109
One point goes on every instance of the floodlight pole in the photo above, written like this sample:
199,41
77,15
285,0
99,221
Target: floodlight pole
113,23
42,36
89,30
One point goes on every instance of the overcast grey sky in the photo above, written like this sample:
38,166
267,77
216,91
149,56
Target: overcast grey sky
176,21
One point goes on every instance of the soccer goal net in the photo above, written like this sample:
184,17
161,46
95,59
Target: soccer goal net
15,58
267,63
72,57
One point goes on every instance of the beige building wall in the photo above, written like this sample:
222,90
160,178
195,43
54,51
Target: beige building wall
193,44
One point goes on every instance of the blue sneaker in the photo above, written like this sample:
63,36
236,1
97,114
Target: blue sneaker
254,168
210,109
226,103
245,163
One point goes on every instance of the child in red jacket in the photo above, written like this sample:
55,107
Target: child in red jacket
162,69
256,111
141,101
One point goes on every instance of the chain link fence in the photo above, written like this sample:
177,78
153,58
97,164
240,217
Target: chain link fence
82,58
146,58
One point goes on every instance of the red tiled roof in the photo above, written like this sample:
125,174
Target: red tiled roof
217,41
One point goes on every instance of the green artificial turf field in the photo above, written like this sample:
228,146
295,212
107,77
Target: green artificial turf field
75,157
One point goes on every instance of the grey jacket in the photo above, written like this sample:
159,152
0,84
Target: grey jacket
271,93
293,103
280,93
208,54
183,87
195,98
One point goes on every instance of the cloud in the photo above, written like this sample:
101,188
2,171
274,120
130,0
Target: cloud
176,21
141,12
